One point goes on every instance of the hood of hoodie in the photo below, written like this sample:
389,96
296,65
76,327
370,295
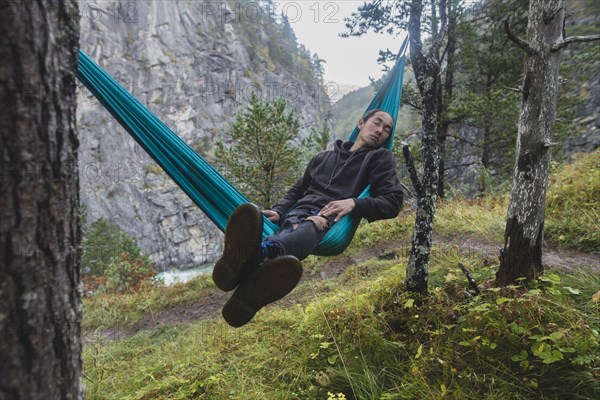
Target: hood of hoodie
343,155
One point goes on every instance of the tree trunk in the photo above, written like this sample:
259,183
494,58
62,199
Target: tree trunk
426,70
441,141
522,252
487,130
487,141
445,95
40,304
485,152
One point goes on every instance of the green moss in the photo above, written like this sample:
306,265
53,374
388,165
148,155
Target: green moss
153,168
171,56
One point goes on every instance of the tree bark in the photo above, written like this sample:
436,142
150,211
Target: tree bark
445,95
487,130
40,304
427,74
487,141
521,256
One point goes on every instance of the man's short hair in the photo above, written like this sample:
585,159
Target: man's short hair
370,113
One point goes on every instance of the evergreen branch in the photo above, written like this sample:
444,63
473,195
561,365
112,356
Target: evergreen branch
412,105
412,171
523,44
456,120
574,39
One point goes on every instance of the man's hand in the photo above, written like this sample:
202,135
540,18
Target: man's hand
271,215
339,208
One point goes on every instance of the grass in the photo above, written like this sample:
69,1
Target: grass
573,207
369,339
125,310
572,213
360,335
484,218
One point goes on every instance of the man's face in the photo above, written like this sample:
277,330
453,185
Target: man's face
376,130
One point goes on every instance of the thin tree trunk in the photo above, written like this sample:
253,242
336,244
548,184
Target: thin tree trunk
40,304
445,95
487,141
487,132
522,252
485,152
441,140
428,80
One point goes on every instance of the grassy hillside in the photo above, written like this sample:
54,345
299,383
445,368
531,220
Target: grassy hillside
573,207
359,335
362,336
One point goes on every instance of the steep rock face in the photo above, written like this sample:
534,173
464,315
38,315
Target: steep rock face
189,63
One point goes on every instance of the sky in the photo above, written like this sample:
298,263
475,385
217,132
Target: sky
349,61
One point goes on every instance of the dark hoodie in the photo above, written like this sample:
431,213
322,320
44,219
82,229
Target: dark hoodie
343,174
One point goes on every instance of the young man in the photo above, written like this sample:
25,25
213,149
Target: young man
265,271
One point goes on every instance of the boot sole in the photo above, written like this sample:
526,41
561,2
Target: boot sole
269,283
243,235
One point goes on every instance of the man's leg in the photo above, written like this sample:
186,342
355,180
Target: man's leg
269,283
240,249
302,237
282,270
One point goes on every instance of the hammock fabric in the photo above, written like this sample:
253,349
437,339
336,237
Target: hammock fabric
210,191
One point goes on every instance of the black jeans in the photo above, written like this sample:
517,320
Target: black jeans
299,242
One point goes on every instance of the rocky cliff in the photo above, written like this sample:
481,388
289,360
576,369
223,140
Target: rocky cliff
194,65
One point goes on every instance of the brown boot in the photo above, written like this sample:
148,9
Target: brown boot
270,282
243,235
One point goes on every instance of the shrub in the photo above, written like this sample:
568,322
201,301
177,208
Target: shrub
115,262
102,243
126,273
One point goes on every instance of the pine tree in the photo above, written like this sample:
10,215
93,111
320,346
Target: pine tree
262,159
317,63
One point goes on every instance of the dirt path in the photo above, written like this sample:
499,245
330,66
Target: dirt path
563,260
210,304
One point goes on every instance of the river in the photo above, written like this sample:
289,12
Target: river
173,276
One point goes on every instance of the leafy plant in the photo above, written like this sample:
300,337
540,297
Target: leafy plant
113,260
103,242
126,273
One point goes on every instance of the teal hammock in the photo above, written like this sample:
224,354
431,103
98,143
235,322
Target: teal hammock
210,191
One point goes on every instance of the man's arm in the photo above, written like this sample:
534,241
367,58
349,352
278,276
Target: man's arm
292,196
386,192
